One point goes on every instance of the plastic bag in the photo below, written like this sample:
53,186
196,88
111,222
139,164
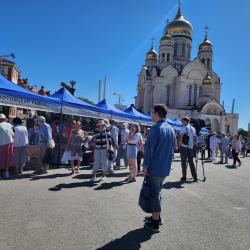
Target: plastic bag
66,157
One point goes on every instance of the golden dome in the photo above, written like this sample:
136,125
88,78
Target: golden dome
206,45
152,54
180,26
207,80
167,40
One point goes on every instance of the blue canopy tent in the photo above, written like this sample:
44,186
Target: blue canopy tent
141,117
73,106
115,112
16,96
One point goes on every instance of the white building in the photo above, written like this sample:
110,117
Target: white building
188,87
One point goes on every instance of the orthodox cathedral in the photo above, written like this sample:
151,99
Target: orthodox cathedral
188,87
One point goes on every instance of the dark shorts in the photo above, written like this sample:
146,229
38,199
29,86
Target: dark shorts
155,187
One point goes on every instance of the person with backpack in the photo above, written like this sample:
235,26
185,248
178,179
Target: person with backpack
187,141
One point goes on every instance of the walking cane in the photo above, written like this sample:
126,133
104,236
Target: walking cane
203,170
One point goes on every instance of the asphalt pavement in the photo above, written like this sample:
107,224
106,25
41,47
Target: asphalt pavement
64,211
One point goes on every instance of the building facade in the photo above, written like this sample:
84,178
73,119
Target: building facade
188,87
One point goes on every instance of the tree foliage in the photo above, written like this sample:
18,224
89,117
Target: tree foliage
243,132
86,100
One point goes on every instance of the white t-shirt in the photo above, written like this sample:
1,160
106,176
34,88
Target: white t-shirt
20,136
190,131
135,138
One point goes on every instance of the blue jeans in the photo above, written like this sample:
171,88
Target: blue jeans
122,154
155,187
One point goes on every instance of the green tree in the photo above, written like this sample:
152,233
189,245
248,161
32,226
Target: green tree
86,100
243,132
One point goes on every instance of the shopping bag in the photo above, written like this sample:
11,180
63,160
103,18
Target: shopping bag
145,198
66,157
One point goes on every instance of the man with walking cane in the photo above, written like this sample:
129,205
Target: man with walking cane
157,164
187,141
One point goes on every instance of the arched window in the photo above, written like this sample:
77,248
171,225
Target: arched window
200,91
189,50
168,57
168,95
203,60
195,94
183,50
175,49
162,57
190,95
208,62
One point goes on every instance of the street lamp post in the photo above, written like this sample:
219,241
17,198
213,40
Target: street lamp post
120,99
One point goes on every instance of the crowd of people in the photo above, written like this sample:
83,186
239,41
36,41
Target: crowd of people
117,144
113,144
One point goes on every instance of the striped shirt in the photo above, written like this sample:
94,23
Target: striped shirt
101,139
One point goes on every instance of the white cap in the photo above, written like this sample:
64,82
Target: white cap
2,116
41,118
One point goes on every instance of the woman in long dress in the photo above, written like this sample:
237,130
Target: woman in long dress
75,147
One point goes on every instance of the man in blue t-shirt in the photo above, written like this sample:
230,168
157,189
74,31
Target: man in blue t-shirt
157,163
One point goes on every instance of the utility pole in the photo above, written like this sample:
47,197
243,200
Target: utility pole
99,90
105,88
233,106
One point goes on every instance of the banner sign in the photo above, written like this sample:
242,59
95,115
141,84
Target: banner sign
28,104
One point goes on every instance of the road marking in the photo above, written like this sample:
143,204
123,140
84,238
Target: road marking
240,208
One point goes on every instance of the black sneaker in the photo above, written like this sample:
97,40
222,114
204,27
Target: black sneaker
149,218
183,179
195,179
153,226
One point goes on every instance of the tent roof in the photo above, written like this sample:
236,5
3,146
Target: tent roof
104,104
67,98
9,88
131,110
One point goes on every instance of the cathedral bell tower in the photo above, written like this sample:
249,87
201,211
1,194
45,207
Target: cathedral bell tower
166,51
151,57
206,51
181,31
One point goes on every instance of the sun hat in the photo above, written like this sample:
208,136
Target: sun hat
101,123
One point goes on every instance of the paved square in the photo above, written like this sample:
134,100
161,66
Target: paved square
60,211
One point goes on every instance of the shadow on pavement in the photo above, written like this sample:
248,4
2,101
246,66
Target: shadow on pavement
132,240
230,167
72,185
175,184
52,176
109,185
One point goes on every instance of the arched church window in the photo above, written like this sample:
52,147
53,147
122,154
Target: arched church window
162,57
168,57
183,50
208,62
203,60
200,91
190,95
175,49
168,95
189,50
195,94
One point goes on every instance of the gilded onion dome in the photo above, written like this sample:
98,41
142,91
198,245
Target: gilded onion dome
167,40
207,80
180,26
152,54
206,44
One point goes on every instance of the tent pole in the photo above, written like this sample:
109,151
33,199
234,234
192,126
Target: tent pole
60,137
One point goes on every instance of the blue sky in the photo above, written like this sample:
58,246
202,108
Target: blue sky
63,40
